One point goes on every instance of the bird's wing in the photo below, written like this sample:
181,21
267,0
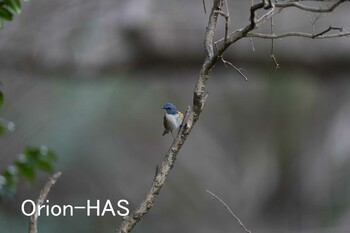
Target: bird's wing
181,116
165,124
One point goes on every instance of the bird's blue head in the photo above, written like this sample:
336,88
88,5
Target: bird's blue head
170,108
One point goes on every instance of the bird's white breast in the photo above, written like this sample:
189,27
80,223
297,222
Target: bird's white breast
173,121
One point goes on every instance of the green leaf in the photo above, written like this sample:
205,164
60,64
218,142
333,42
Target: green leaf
45,165
26,167
1,24
32,153
14,5
26,170
5,14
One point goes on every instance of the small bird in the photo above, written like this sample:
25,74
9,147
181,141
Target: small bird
172,119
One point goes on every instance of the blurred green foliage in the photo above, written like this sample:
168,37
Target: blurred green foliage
26,165
8,8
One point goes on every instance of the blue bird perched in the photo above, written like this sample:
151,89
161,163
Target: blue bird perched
172,119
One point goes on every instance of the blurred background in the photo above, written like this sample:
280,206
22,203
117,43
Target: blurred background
88,79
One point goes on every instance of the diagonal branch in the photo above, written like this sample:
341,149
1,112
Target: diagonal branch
199,97
229,210
191,117
33,220
239,70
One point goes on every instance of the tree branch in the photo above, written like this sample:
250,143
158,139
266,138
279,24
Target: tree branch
33,220
212,58
239,70
275,9
272,53
297,34
199,90
310,9
191,117
199,96
130,221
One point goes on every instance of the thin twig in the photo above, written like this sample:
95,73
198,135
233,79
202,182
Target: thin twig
276,9
229,35
272,54
33,220
229,210
340,29
310,9
297,34
314,21
227,18
227,12
251,39
239,70
227,22
205,9
252,44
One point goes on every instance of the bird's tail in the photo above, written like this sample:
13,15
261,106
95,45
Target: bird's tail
165,132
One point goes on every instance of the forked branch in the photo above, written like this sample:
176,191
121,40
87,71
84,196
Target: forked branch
191,117
200,95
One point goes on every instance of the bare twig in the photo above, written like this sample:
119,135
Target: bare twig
227,12
205,9
340,29
239,70
33,220
212,58
310,9
230,34
252,44
251,39
272,54
297,34
314,20
275,9
229,210
227,18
